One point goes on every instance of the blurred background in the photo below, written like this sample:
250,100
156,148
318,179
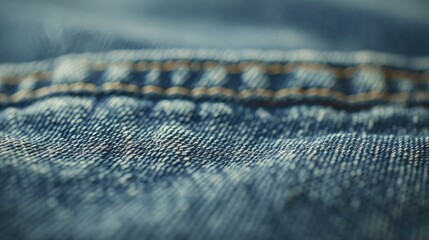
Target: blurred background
35,30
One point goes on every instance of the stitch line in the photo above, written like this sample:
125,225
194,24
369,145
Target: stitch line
196,92
238,68
275,68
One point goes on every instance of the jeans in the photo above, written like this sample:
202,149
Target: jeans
192,144
162,119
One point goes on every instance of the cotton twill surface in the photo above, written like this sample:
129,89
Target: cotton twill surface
184,144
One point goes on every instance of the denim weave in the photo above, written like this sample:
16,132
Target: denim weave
204,144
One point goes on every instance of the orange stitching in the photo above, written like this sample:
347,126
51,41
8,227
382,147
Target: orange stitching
177,90
237,68
152,89
259,92
243,94
221,91
37,76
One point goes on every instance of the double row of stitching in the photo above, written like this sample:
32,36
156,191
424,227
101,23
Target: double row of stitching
237,68
266,94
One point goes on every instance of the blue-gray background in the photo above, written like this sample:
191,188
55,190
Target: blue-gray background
34,30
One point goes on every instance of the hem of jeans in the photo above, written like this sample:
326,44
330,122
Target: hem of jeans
237,68
38,84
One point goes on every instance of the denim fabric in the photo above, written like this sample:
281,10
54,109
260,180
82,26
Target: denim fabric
204,144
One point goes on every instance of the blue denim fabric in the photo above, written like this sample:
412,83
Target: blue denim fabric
204,144
179,141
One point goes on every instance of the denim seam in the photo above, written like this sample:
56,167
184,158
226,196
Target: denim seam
232,68
269,95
